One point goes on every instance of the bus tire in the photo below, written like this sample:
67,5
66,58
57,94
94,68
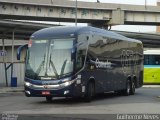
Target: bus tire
132,91
89,92
126,91
48,98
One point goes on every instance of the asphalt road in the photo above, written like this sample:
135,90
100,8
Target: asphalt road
145,101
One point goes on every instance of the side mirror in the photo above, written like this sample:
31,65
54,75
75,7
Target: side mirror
19,50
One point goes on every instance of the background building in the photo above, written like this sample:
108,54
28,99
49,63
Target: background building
18,66
158,4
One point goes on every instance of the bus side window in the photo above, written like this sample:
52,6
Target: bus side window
82,45
80,59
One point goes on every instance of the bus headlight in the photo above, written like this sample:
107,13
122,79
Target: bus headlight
65,84
27,84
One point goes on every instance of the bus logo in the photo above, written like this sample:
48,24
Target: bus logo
102,64
45,86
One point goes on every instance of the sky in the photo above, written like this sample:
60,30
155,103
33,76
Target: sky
132,28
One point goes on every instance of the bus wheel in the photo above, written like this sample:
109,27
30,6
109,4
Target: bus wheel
132,91
48,98
89,92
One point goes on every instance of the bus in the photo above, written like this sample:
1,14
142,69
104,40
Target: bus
152,66
81,62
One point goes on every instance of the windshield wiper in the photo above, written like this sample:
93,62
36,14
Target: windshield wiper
63,67
40,66
53,66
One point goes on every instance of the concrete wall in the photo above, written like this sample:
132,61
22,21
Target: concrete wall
18,67
8,57
158,27
18,71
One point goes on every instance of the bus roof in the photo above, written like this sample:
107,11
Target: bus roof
65,31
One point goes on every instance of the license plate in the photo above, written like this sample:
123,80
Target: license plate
45,93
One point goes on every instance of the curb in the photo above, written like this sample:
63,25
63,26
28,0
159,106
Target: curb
10,89
151,86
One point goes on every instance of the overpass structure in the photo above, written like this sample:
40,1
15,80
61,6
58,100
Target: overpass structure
22,30
98,14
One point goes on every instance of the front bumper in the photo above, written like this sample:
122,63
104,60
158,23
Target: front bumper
72,90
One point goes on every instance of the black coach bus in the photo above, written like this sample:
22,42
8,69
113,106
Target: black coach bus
81,62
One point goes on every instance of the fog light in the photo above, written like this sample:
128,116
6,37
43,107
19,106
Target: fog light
66,92
28,92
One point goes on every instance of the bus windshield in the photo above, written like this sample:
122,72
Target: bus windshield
49,59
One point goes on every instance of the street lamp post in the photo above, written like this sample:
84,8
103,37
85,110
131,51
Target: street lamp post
145,4
76,14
